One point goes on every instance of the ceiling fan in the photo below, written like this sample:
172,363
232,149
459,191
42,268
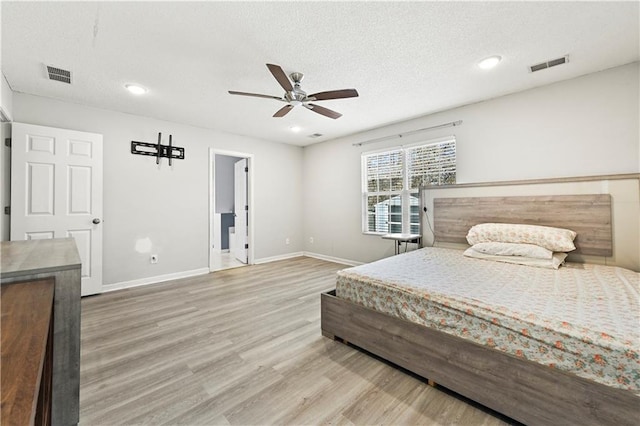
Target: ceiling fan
295,96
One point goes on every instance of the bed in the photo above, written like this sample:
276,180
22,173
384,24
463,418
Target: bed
540,346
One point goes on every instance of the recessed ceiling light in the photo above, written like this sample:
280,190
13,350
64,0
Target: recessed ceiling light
489,62
295,129
135,89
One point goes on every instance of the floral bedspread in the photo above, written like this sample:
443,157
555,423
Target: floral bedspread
582,318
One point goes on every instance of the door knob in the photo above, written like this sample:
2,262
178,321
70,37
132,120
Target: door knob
96,221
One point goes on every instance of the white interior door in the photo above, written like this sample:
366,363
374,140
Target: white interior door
241,210
56,192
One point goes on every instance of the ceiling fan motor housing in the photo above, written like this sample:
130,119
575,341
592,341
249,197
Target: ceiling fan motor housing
296,96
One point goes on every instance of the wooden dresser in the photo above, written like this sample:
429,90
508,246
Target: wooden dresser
58,259
26,355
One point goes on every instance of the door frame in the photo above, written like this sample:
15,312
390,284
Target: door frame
212,200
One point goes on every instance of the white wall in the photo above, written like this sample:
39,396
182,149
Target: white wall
169,206
580,127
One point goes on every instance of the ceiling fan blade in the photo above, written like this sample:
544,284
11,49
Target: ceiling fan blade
323,111
283,111
256,95
282,78
335,94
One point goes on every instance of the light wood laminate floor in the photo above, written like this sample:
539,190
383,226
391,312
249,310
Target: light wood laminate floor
225,260
243,346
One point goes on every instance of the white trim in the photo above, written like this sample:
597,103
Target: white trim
154,280
211,195
333,259
4,116
308,254
279,257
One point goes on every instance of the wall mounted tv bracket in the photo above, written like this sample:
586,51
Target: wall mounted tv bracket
158,150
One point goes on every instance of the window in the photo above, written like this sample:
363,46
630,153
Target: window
391,180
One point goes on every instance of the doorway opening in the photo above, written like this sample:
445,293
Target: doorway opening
230,212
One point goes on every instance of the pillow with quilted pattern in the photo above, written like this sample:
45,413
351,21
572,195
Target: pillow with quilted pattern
554,239
513,249
554,263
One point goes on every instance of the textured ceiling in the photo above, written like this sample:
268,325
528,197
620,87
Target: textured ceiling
406,59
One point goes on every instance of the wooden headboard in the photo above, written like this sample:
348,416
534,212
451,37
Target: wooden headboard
588,215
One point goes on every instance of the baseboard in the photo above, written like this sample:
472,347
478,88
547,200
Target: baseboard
308,254
203,271
279,257
332,259
154,280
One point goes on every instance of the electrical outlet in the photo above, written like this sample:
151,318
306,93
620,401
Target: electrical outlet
311,240
153,258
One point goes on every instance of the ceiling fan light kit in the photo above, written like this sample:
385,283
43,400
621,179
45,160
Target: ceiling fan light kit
294,96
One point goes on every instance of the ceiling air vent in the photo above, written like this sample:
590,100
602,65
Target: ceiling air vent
59,74
315,135
549,64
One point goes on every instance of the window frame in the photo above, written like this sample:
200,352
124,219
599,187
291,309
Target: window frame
405,193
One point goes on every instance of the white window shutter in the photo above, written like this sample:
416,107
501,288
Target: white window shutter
391,180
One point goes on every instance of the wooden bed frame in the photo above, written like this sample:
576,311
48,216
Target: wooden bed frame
523,390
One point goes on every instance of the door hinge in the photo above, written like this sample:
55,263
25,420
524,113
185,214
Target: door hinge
246,246
246,169
246,208
7,142
7,210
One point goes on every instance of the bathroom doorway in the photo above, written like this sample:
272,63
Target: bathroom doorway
230,212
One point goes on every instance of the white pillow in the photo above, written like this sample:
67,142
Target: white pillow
513,249
553,263
554,239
